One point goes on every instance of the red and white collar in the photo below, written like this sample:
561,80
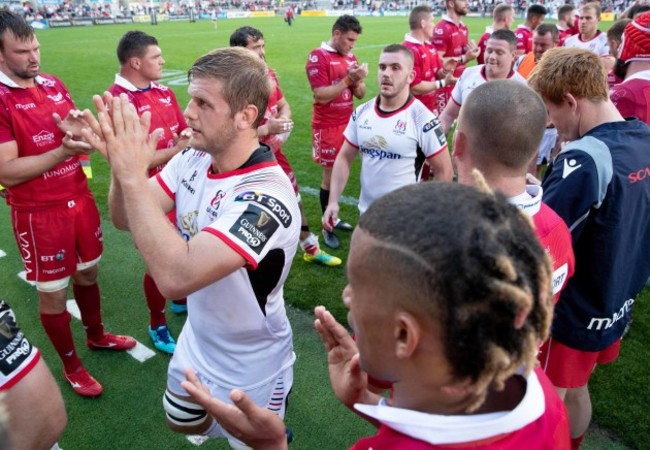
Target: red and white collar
521,25
408,37
439,429
326,46
4,79
450,20
126,84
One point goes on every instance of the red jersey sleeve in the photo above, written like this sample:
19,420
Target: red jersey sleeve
317,69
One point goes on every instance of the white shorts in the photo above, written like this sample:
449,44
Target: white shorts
273,395
546,146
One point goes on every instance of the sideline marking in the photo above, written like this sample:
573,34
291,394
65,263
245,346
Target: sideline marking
140,352
2,254
316,192
196,439
23,276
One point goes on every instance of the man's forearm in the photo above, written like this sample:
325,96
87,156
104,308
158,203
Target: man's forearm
25,168
158,242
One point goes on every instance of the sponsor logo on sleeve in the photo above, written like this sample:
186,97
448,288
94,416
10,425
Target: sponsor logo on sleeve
275,206
430,125
570,166
14,348
255,227
313,58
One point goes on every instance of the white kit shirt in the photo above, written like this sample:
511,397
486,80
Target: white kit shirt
393,146
237,328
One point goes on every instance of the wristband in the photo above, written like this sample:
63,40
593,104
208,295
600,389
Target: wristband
443,83
462,59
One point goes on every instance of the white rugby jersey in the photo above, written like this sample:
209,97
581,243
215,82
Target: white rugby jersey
237,327
472,78
393,146
597,44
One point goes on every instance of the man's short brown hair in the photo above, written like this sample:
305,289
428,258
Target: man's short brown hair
569,71
243,74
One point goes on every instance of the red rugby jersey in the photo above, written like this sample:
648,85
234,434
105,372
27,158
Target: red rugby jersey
325,67
26,117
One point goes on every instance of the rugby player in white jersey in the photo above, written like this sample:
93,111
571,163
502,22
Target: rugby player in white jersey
239,213
394,133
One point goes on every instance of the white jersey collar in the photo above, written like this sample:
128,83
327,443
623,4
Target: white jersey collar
326,46
126,84
530,201
408,37
521,25
449,19
643,75
439,429
4,79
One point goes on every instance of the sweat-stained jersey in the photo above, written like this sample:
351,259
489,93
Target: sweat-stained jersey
539,422
238,327
26,117
600,185
161,102
325,67
393,146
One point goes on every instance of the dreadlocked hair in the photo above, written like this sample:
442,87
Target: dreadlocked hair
469,263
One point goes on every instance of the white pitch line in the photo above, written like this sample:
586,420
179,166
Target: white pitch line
23,276
2,254
140,352
196,439
316,192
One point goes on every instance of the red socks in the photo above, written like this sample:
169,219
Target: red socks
155,302
89,303
57,328
575,442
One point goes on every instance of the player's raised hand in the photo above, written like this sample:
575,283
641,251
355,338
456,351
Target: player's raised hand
129,147
258,427
449,64
349,381
472,51
357,72
73,123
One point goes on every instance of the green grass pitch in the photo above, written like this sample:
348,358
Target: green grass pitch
129,414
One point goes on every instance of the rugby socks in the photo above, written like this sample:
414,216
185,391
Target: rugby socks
575,442
324,199
310,244
182,301
155,302
57,328
89,303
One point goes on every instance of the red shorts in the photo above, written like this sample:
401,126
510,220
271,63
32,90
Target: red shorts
326,143
286,168
567,367
443,96
53,240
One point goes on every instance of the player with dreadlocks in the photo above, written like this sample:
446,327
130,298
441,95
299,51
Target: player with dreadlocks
448,307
